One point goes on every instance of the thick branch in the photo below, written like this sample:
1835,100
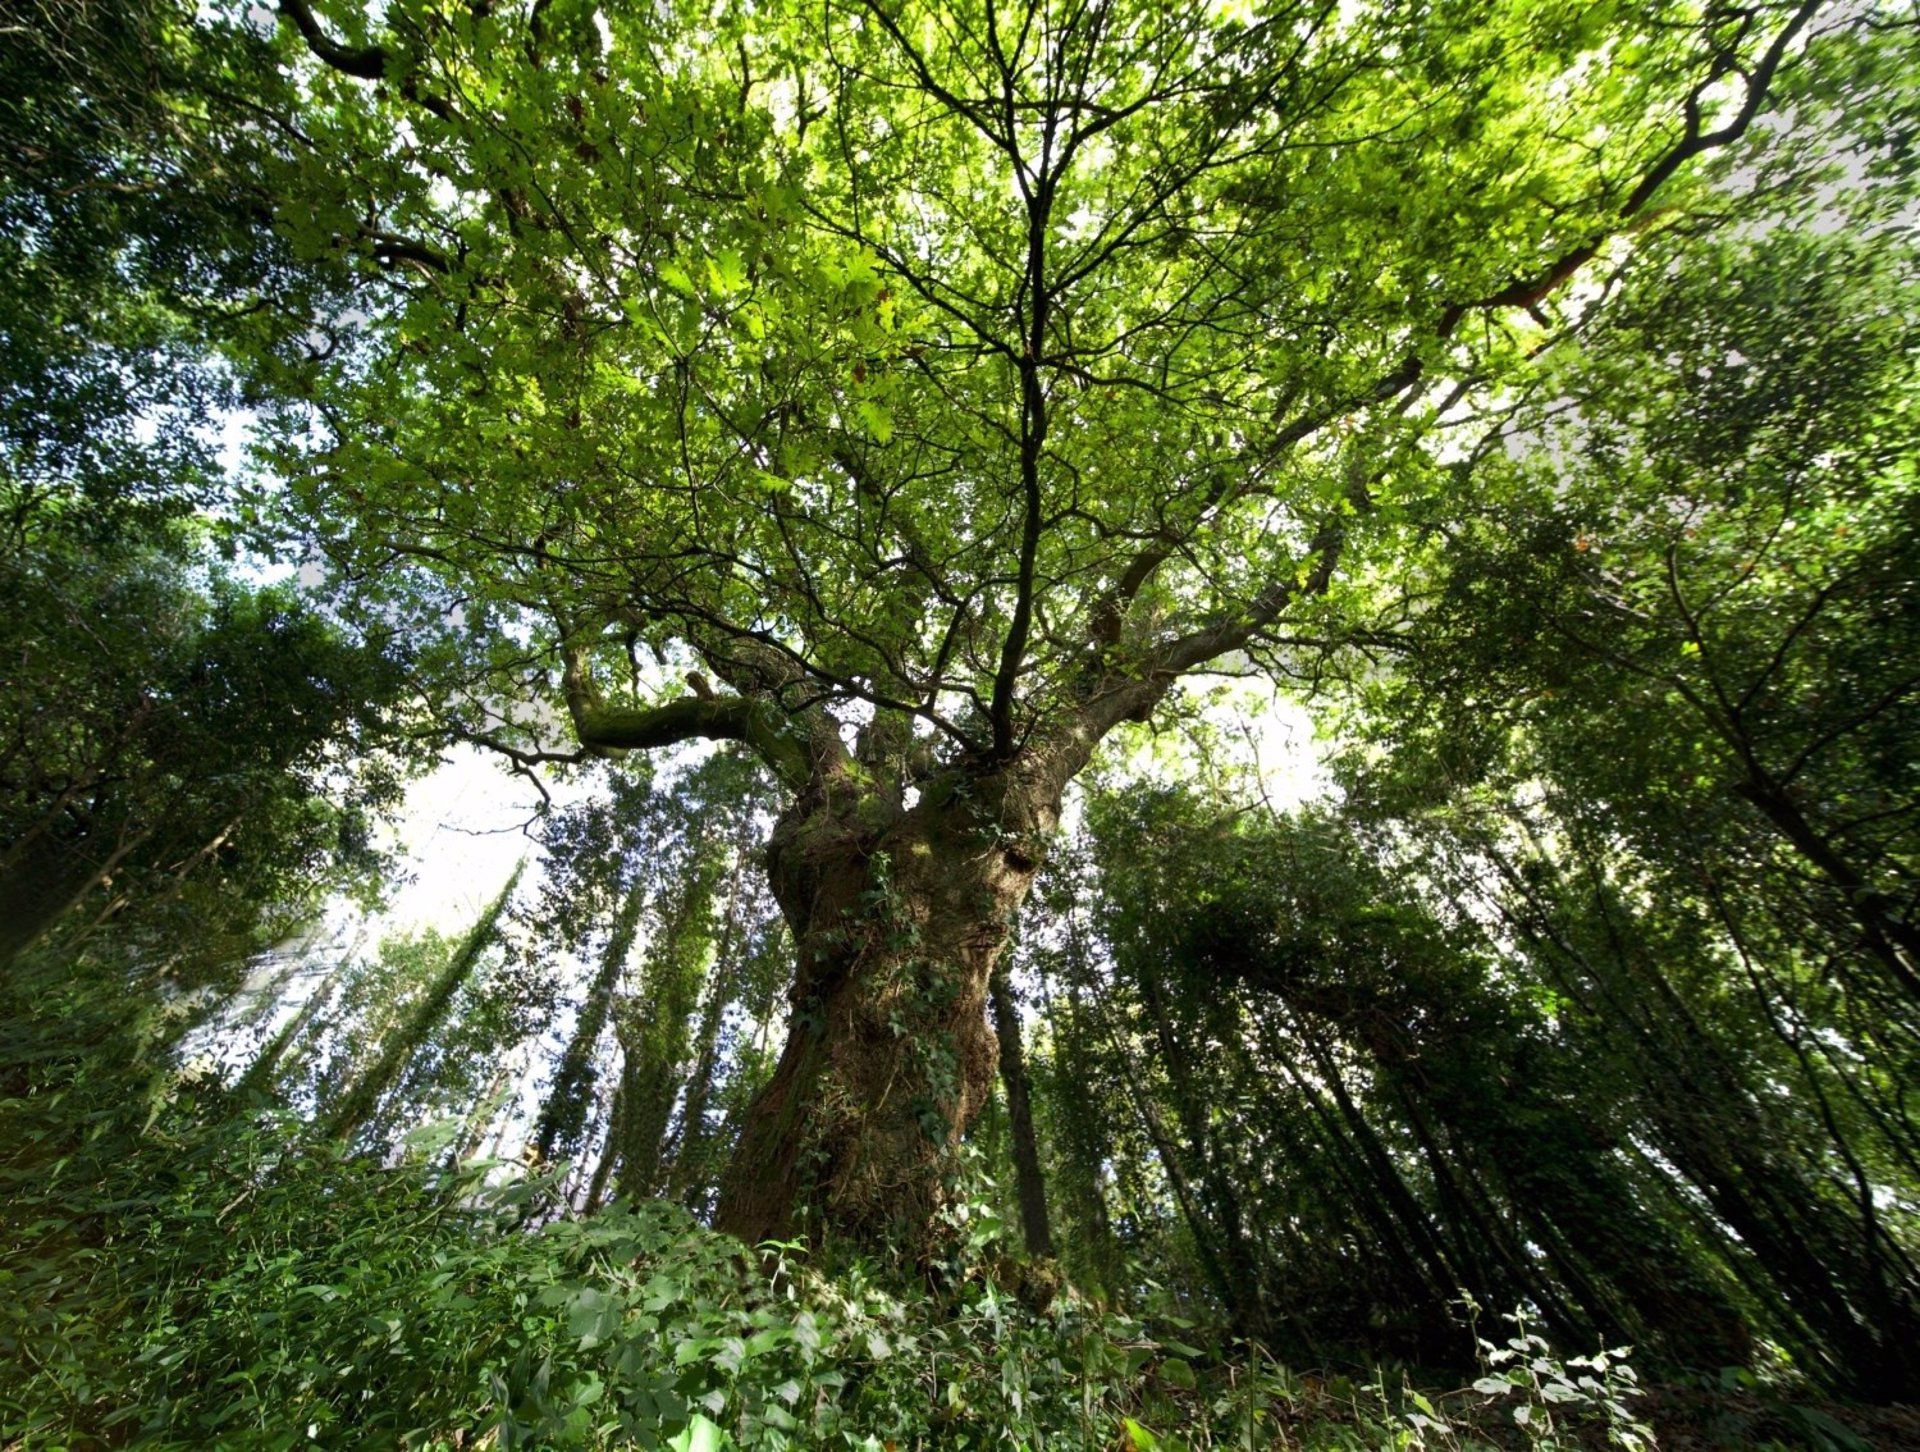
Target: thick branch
714,718
1131,694
365,62
368,62
1184,653
392,251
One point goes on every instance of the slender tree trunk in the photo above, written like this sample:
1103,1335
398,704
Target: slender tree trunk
1028,1181
648,1090
690,1151
1173,1165
1854,1332
1218,1198
36,895
564,1114
1085,1133
1453,1262
264,1072
357,1107
480,1117
1886,934
688,1175
654,1031
609,1153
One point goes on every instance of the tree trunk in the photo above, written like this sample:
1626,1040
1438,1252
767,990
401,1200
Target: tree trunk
363,1097
898,916
263,1074
564,1115
686,1182
35,896
655,1030
603,1171
1028,1181
1886,934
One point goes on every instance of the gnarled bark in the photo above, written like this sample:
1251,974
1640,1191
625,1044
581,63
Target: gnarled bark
899,915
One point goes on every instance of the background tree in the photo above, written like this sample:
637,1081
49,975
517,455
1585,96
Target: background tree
416,1022
1706,625
165,731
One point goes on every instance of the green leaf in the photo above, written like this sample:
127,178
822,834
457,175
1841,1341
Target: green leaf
874,419
727,272
700,1435
674,276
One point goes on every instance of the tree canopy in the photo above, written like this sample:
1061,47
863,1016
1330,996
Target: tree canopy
988,370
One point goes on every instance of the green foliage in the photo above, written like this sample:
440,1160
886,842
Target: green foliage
948,383
1358,1107
202,1281
757,336
1690,601
1658,722
1543,1395
91,351
129,231
179,747
188,760
1594,990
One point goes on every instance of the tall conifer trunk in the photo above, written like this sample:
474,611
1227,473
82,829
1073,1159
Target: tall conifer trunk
564,1115
363,1096
1029,1183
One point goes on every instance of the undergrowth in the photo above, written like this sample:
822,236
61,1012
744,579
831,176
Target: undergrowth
234,1289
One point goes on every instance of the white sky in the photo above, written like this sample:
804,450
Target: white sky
461,833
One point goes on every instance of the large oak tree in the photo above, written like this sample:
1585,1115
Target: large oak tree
935,386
